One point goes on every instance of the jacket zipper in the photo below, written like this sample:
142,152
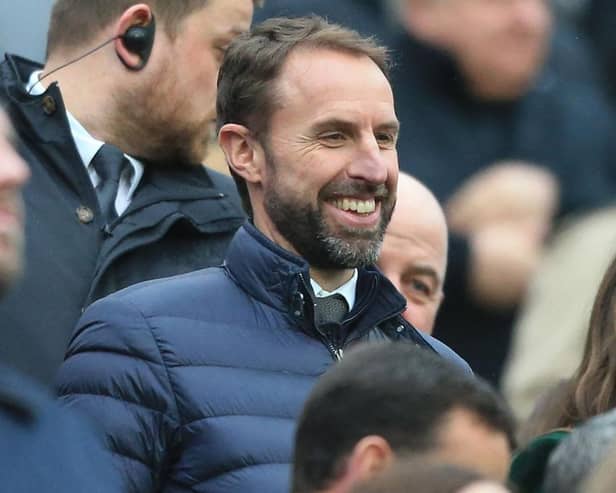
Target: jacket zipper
336,352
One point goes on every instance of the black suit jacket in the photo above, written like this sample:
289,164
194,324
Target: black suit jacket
181,219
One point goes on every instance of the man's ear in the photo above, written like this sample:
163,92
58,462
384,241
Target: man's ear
242,151
370,456
136,15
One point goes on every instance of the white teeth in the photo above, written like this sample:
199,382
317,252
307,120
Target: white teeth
359,206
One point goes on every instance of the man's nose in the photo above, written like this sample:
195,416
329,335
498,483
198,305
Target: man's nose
369,163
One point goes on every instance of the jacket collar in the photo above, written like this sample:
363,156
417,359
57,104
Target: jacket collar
280,279
44,117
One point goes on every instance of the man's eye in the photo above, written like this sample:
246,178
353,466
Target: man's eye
385,139
335,138
420,287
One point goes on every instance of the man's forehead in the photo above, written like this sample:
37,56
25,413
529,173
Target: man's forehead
322,74
423,252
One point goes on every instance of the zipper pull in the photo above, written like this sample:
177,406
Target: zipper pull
339,354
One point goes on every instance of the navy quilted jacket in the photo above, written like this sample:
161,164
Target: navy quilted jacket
197,380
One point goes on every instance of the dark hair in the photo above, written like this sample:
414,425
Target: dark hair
396,390
425,476
254,61
592,388
75,22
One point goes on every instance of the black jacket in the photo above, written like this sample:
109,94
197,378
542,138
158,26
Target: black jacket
197,380
180,219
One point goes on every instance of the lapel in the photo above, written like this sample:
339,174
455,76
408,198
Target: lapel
42,119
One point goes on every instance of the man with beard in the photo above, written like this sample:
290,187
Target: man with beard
43,447
197,380
114,128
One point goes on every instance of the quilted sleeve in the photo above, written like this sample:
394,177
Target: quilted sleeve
115,374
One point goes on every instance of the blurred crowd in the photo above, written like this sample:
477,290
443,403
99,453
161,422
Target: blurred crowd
310,246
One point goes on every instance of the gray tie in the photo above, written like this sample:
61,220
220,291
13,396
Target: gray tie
109,163
331,309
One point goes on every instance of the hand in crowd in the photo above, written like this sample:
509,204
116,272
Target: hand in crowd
516,193
505,211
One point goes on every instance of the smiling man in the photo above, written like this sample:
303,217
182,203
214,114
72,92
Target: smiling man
197,379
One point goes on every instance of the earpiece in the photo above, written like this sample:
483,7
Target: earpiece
139,40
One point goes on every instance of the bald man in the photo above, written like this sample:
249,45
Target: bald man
414,253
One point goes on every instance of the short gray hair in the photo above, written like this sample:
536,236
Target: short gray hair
578,454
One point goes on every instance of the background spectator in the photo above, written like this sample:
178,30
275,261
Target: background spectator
414,252
579,453
591,390
557,309
368,17
475,89
588,393
43,447
391,400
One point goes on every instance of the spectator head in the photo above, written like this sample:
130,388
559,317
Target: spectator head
309,130
395,399
499,46
13,175
414,253
160,108
592,389
428,477
571,463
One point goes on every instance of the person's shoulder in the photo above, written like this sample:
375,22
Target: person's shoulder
73,454
24,397
190,292
529,464
446,352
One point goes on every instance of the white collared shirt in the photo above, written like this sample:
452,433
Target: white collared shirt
88,146
347,290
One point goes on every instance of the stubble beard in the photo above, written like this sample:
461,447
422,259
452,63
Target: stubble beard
155,129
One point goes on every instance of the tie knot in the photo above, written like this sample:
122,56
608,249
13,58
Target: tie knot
331,309
109,162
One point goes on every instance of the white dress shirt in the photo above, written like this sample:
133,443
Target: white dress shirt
88,146
347,290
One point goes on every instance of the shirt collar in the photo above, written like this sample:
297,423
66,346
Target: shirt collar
347,290
87,145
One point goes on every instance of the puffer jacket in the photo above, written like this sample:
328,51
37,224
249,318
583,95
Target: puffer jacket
197,380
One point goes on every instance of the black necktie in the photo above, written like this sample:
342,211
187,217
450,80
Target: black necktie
109,162
331,309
